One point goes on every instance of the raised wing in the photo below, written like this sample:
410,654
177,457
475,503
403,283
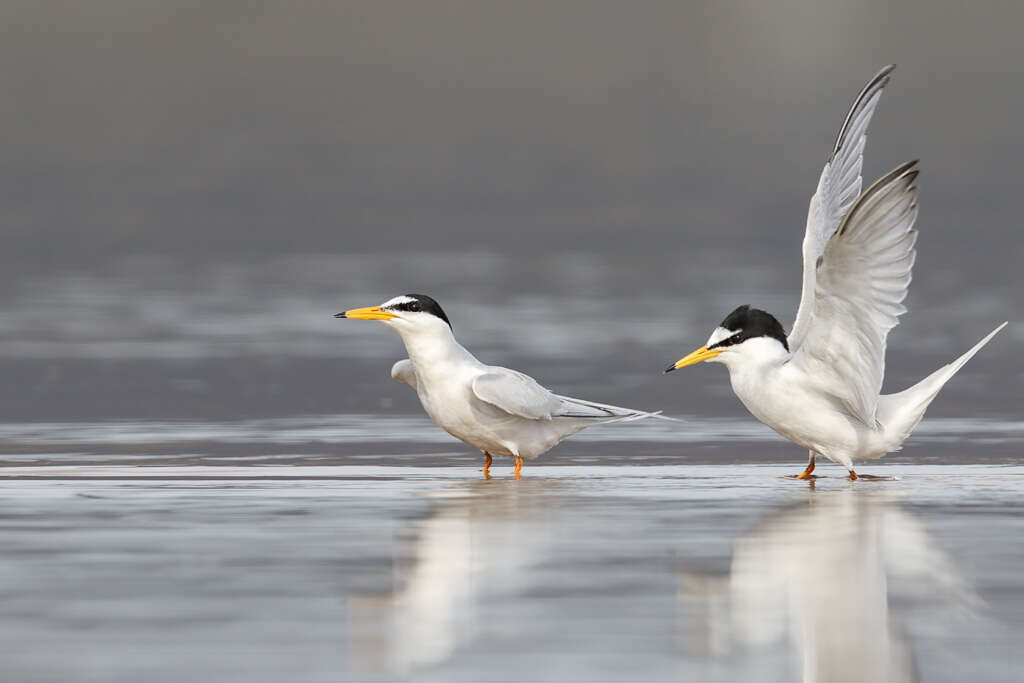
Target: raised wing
520,395
404,372
838,188
858,296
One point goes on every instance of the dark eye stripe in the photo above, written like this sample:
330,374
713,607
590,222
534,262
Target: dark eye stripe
420,303
736,338
411,306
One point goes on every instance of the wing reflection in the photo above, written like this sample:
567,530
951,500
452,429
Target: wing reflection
824,578
472,547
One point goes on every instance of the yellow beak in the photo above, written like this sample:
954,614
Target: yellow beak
368,313
698,356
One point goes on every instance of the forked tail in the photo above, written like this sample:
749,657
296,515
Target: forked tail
900,413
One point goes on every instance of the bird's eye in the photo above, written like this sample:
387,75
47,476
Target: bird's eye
415,307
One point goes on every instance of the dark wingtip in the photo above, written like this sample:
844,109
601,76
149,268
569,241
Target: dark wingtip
340,315
877,83
906,169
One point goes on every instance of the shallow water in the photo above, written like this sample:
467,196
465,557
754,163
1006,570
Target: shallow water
204,476
717,573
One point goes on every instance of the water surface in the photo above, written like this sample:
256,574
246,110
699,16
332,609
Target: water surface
205,476
369,572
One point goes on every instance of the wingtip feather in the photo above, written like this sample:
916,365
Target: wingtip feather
877,83
903,171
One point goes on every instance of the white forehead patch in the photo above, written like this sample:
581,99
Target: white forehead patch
718,335
398,300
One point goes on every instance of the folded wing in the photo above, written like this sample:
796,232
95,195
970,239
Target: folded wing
516,394
521,395
860,285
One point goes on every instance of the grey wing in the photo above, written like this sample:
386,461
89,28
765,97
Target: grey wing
516,394
521,395
838,188
859,293
403,371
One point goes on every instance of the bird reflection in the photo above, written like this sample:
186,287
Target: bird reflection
473,545
824,577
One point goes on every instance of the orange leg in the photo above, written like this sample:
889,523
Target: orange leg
853,476
487,463
519,467
807,472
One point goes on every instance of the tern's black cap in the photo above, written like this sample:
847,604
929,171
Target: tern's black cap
418,303
751,323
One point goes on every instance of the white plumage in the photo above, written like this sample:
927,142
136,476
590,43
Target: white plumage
498,410
820,386
858,294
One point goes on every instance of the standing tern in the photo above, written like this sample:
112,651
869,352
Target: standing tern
819,387
499,411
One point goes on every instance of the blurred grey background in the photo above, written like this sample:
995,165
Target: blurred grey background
190,190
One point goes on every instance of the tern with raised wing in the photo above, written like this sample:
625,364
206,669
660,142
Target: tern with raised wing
820,386
499,411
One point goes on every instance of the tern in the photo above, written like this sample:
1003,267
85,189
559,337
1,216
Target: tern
499,411
820,385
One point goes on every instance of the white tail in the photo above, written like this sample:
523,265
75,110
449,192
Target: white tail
900,413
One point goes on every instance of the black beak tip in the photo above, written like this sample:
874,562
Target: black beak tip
670,368
340,315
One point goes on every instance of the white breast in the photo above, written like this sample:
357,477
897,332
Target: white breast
784,399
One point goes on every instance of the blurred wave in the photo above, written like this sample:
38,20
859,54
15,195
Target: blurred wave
558,305
347,429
